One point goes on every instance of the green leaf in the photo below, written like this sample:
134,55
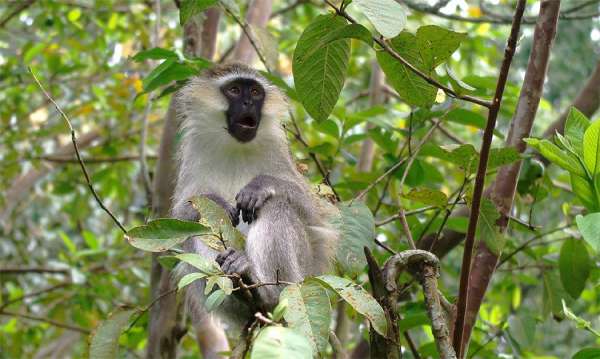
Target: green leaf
319,78
554,294
222,282
591,148
167,262
437,44
104,342
189,8
162,234
574,265
214,300
357,298
469,118
276,342
410,87
388,16
427,196
205,265
502,156
156,53
587,353
357,228
349,31
584,192
213,216
554,154
487,231
280,309
165,73
308,312
189,278
575,127
589,226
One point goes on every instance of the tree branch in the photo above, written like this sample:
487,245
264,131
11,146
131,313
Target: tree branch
503,189
480,177
411,67
76,148
47,320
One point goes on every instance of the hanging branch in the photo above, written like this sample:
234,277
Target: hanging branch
75,146
384,44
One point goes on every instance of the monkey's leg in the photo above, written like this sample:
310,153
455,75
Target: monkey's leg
277,248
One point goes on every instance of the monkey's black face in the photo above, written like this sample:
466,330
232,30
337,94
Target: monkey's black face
245,98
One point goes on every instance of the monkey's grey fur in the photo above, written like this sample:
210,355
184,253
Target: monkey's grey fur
290,233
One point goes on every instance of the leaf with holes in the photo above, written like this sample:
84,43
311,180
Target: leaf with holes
162,234
357,298
308,312
427,196
319,78
437,44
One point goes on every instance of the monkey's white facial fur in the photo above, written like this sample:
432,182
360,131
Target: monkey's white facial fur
234,106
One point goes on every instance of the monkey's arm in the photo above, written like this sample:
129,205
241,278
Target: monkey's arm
262,188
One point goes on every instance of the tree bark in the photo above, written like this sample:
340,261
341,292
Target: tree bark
376,97
502,191
258,15
164,329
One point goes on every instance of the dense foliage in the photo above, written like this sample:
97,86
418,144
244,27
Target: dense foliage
73,284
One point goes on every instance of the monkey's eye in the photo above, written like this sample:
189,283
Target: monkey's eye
234,90
254,92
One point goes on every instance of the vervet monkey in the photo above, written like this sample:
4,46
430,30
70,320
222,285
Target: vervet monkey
235,151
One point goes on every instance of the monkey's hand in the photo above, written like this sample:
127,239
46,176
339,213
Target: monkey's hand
253,196
231,210
234,261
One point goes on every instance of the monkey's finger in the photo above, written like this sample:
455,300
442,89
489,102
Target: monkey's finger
252,203
221,257
226,266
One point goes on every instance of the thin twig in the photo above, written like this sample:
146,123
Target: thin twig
408,213
48,321
406,228
34,294
480,177
384,44
529,241
397,164
22,270
74,140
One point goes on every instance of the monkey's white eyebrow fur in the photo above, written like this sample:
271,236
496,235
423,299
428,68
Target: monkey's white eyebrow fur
236,75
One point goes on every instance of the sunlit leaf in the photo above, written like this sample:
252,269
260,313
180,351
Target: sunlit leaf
589,226
162,234
308,312
280,343
388,16
319,78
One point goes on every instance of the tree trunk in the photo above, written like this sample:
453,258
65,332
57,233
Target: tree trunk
502,191
376,97
164,329
257,16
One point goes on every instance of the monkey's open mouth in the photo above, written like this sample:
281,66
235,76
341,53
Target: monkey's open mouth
248,122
